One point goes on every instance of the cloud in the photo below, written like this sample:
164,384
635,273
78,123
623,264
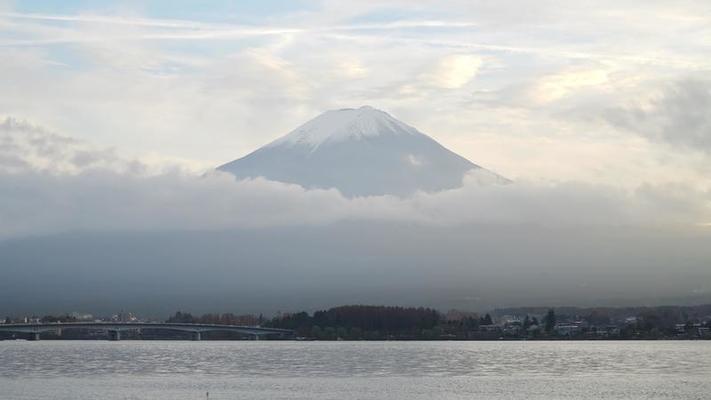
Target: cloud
172,30
56,184
520,92
677,114
455,71
26,147
563,83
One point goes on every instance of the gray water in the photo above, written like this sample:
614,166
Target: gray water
354,370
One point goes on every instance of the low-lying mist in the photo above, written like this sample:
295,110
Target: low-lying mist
473,267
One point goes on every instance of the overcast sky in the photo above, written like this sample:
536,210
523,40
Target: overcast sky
613,92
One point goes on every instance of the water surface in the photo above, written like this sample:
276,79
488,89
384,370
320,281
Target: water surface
355,370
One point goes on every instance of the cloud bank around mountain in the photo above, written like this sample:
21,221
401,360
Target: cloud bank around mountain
51,184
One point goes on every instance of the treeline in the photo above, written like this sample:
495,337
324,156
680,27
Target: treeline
218,319
367,322
358,322
665,323
45,320
361,322
632,322
58,318
603,315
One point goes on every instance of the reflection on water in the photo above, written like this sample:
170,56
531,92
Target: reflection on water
354,370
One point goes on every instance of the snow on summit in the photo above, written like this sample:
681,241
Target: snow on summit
361,152
346,123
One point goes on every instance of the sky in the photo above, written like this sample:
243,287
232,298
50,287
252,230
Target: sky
608,92
114,114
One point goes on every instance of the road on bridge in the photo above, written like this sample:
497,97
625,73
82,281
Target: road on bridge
114,329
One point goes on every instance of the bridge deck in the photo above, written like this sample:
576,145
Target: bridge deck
124,326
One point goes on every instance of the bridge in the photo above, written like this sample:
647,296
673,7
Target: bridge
114,329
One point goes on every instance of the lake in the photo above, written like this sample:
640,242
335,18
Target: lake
355,370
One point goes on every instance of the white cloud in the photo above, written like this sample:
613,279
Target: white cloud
561,84
520,89
454,71
56,184
101,200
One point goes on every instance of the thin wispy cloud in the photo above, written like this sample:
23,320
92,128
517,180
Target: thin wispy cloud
176,30
195,30
466,76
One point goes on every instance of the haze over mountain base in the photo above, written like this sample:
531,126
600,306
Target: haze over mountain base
472,267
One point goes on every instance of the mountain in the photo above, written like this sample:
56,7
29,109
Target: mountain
360,152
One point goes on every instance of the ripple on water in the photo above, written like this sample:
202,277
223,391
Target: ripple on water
398,370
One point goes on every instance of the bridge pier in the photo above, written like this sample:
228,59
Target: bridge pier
197,336
115,336
35,336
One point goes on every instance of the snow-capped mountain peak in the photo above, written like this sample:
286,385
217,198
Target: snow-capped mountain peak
344,124
360,152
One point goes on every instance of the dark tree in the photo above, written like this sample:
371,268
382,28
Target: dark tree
549,321
60,318
181,317
598,317
526,322
369,322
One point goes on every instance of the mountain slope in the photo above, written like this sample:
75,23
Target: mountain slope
360,152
